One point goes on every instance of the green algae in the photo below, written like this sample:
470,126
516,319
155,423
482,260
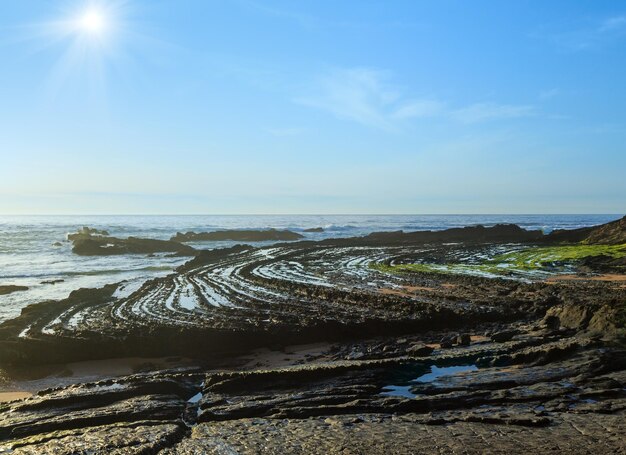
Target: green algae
540,257
534,259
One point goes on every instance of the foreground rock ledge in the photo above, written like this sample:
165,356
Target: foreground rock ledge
545,390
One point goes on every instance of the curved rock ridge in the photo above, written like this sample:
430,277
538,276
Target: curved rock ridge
238,236
238,298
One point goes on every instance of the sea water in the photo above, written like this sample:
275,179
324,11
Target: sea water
29,256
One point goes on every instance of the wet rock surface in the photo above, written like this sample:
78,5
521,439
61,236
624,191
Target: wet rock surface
418,362
231,300
543,391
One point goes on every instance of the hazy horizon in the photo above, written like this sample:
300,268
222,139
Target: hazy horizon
250,107
303,214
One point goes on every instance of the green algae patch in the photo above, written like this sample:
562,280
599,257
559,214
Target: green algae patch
535,259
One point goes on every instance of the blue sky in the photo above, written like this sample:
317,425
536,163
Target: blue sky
197,106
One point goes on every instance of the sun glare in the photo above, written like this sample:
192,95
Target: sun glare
92,22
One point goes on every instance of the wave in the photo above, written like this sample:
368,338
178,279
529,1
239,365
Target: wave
339,228
160,268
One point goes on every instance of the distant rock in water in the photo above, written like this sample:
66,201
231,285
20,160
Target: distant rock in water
87,232
4,290
497,233
316,229
86,243
237,235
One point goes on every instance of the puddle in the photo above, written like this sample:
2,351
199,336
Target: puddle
395,390
194,399
437,372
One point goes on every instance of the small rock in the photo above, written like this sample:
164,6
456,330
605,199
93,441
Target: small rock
505,335
419,350
463,339
551,322
355,355
447,341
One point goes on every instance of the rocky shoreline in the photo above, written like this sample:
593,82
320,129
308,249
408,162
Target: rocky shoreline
419,359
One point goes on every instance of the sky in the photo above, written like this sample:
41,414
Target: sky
323,107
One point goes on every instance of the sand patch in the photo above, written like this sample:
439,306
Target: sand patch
290,355
612,277
407,291
11,396
30,380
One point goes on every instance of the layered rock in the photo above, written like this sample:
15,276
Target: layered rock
543,390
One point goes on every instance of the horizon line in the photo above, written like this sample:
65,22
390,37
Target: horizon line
315,214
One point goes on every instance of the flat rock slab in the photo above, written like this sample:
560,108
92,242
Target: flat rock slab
383,434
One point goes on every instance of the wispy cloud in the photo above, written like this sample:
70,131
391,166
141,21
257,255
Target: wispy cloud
358,94
420,108
548,94
612,24
488,111
589,36
366,96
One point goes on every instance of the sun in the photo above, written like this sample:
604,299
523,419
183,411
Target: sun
92,22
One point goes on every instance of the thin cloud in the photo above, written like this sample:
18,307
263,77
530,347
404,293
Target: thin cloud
480,112
358,94
365,96
612,24
420,108
548,94
593,35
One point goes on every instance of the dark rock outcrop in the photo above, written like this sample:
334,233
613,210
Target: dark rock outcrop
108,246
237,235
419,350
8,289
86,232
90,242
611,233
495,234
316,229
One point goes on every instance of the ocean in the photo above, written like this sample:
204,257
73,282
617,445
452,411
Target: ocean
29,256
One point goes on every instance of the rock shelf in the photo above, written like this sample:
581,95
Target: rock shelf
415,360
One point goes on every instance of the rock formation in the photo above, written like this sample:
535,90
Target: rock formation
237,235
